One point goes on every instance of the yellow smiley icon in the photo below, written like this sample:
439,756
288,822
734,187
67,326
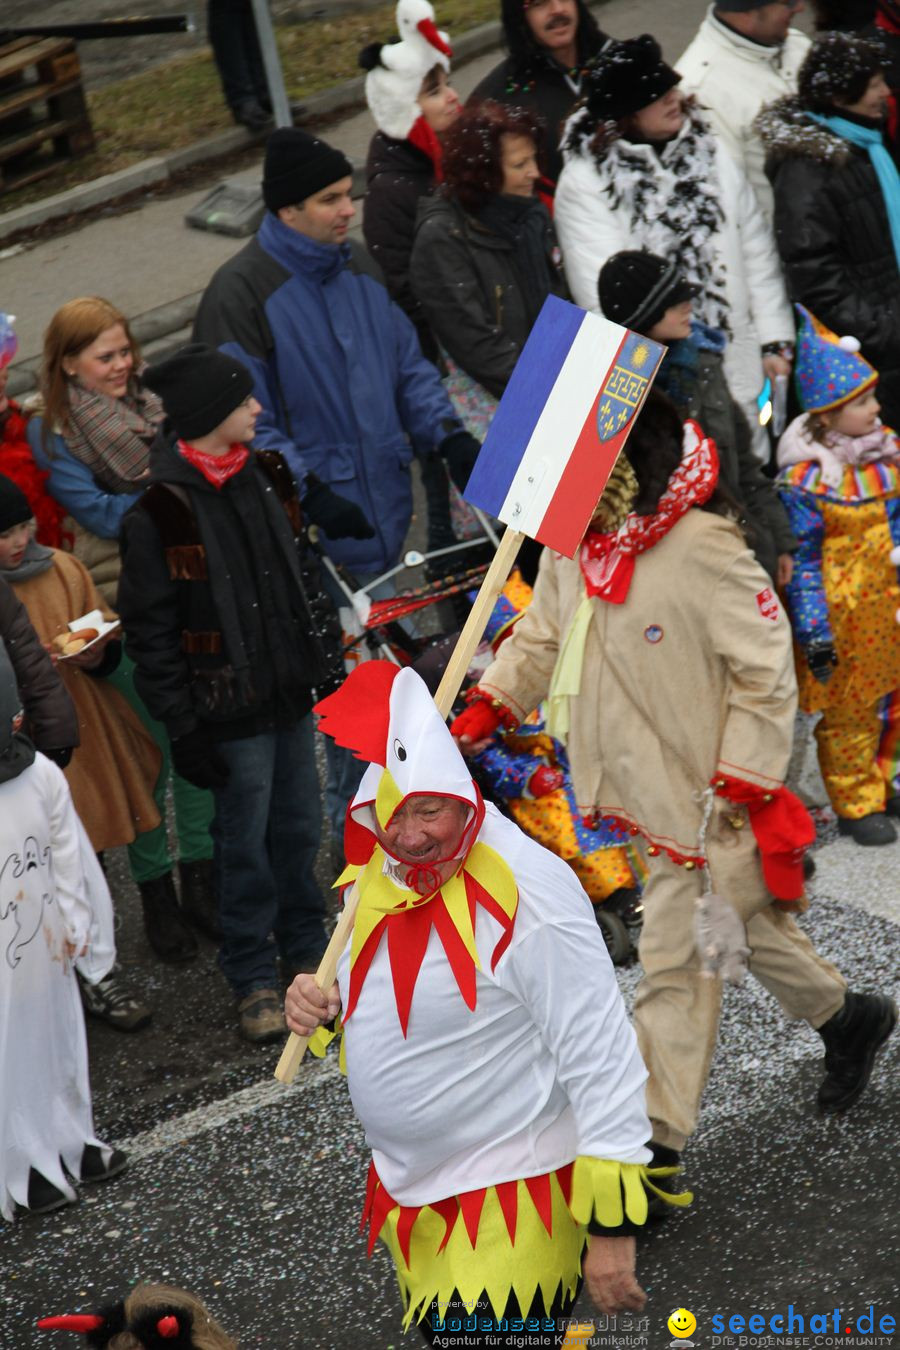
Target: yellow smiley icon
682,1323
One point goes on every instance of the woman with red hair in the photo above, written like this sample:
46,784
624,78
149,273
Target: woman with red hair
485,256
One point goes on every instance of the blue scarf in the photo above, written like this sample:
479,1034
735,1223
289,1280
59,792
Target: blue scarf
677,376
871,139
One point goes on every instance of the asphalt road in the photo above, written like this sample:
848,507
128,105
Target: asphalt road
248,1192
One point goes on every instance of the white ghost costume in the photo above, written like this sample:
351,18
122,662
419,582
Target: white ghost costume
52,891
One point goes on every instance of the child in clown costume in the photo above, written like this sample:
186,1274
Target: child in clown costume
486,1046
529,770
840,483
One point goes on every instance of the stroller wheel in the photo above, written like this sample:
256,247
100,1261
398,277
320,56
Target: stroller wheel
615,935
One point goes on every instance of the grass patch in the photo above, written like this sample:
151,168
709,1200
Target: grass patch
181,102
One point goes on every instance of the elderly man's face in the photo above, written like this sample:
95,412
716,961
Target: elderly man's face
424,829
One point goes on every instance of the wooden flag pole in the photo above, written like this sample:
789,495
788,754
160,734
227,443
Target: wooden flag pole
460,660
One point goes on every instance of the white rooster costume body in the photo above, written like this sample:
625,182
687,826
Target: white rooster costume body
488,1054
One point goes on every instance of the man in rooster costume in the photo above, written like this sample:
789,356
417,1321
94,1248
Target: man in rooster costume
484,1037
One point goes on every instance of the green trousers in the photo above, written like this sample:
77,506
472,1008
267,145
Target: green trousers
148,856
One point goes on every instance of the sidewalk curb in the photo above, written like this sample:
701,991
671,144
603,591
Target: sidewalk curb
152,172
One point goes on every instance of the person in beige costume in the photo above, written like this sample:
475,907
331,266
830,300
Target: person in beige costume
666,661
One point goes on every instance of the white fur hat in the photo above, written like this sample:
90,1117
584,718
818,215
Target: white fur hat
397,69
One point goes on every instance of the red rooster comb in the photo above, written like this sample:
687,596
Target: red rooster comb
357,716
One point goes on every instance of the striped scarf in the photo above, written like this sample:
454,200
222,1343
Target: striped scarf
112,436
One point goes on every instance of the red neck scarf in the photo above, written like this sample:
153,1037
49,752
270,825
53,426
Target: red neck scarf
607,560
216,469
424,139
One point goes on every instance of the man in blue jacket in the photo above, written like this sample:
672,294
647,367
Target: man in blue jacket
347,396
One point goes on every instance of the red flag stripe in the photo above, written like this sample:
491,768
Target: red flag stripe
580,473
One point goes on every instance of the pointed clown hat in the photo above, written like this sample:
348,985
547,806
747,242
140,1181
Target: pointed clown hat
386,715
829,370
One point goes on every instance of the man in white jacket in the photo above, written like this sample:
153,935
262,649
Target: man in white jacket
745,54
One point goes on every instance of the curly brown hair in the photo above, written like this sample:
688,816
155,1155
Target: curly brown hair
472,150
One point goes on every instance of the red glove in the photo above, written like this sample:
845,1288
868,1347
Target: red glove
476,723
783,829
545,780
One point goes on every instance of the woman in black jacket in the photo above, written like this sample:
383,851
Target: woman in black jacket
403,165
485,256
827,164
412,107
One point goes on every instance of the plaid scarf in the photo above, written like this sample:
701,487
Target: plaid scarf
112,436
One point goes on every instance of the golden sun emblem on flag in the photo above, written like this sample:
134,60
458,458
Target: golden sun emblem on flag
625,387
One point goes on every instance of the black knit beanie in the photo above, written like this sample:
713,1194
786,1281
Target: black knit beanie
199,387
627,76
14,505
837,67
636,288
298,165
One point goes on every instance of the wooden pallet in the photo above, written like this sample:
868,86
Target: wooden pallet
44,119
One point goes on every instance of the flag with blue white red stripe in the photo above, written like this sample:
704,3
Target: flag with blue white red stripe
561,423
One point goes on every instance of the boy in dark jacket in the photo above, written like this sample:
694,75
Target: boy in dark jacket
644,292
228,632
348,396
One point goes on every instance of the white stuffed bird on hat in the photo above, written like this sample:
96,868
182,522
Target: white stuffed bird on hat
419,40
396,69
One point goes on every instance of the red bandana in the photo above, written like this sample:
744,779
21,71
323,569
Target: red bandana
607,560
216,469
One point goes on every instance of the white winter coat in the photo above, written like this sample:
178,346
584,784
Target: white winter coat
732,78
591,229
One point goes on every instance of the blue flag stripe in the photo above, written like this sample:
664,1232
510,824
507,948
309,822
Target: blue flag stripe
536,372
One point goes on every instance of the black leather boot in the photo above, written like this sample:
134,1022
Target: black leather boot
166,930
199,904
853,1037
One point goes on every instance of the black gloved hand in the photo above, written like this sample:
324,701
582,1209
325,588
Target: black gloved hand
460,450
821,659
197,759
337,516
